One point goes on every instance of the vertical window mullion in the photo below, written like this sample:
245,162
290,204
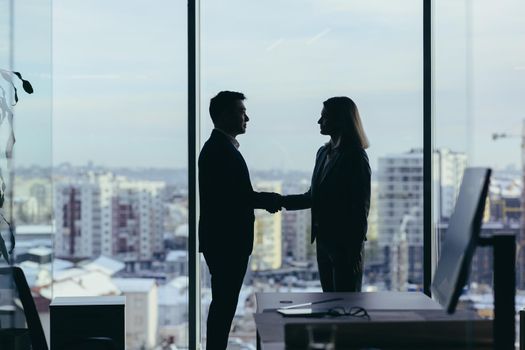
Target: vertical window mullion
193,147
427,145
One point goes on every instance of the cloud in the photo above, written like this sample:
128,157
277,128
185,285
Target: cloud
318,36
275,44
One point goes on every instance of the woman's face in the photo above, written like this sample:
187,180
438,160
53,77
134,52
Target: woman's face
329,125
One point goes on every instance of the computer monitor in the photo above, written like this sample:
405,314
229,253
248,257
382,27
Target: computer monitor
461,238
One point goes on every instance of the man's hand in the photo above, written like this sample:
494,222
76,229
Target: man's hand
273,202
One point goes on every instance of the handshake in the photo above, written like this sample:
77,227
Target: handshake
272,202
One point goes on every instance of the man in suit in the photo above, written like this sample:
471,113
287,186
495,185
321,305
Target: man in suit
227,201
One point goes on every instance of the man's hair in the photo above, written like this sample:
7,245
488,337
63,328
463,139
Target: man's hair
224,102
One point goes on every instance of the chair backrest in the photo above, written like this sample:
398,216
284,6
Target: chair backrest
91,343
34,326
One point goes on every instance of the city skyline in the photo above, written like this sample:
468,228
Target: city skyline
141,171
100,203
283,259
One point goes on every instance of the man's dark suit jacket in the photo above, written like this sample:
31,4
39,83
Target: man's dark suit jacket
339,196
227,199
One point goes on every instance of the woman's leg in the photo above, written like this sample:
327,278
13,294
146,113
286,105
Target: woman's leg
348,271
326,272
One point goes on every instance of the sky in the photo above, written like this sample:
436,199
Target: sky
119,75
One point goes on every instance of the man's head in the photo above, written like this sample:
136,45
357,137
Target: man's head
228,112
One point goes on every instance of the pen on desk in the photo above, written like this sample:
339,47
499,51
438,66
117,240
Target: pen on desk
311,303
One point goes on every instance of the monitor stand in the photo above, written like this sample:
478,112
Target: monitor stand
504,265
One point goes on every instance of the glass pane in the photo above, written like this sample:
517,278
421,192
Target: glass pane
25,106
452,106
120,161
5,32
288,62
479,71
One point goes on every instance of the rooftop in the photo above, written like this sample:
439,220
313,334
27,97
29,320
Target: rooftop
106,265
176,255
41,251
134,285
35,229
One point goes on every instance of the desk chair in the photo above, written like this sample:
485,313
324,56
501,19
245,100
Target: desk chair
91,343
13,278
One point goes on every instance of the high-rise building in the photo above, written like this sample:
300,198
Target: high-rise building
371,233
400,220
448,169
296,227
267,247
373,255
101,214
106,190
78,216
137,230
400,209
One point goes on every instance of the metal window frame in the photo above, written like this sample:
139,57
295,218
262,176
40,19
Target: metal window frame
194,145
193,148
427,146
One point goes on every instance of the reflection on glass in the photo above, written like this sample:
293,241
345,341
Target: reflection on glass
479,122
25,53
119,167
7,102
287,63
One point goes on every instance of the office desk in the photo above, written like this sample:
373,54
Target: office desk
392,313
369,301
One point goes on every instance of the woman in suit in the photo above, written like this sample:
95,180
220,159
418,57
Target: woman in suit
339,197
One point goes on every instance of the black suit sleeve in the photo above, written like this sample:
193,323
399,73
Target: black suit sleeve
265,200
302,201
360,175
298,201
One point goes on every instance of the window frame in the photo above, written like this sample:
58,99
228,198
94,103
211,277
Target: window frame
429,259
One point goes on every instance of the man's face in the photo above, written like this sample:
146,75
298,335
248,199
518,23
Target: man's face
237,119
328,124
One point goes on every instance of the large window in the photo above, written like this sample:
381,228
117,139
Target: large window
479,121
25,144
288,62
99,198
452,97
120,162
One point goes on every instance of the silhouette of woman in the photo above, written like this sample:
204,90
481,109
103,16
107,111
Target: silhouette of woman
339,197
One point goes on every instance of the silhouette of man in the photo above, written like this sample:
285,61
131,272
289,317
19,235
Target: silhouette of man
227,201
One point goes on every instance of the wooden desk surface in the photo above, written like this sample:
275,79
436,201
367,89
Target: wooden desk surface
392,327
367,300
382,306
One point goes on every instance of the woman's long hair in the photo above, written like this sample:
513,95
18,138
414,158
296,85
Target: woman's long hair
345,110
